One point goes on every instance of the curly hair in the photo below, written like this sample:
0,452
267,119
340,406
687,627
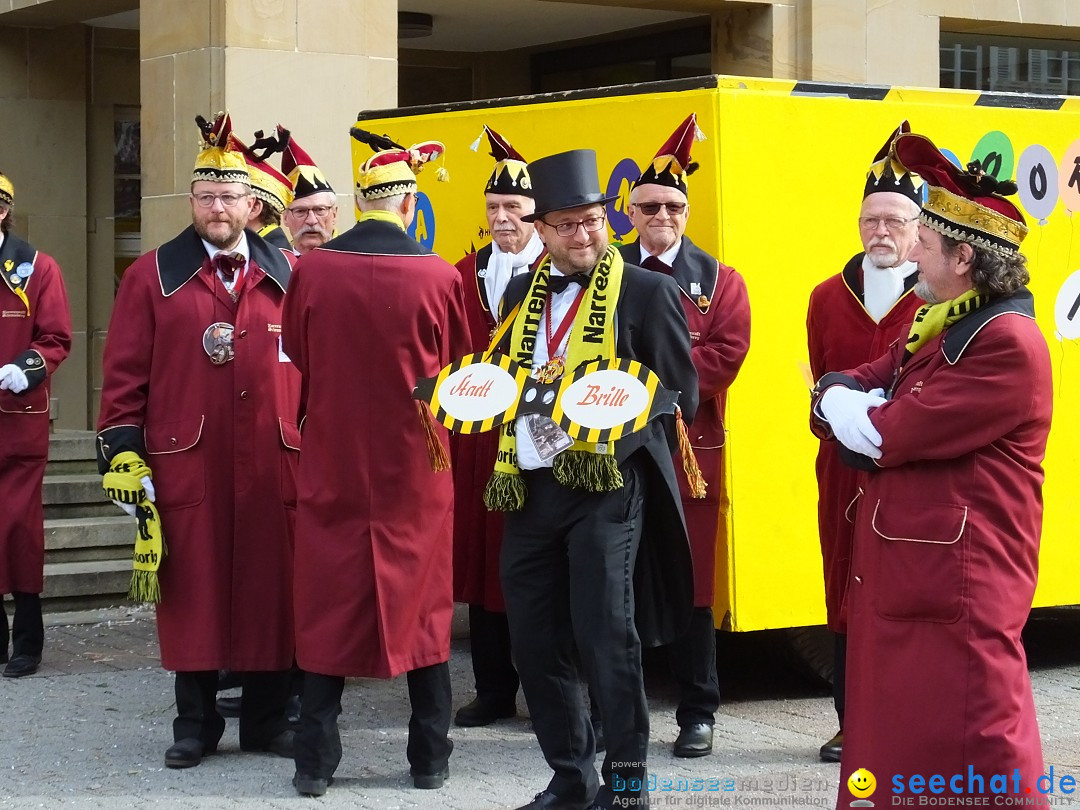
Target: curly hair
992,273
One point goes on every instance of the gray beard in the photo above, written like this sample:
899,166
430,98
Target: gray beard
922,289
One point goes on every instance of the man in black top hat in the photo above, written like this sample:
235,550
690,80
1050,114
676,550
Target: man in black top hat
594,532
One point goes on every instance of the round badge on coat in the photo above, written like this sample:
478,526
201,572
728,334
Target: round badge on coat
24,270
217,342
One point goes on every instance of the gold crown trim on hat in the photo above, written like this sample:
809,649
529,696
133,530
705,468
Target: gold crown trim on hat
7,191
880,169
960,218
272,192
389,188
516,170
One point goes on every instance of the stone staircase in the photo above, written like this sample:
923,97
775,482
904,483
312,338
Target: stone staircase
88,541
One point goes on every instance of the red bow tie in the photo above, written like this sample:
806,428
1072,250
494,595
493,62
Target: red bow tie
227,264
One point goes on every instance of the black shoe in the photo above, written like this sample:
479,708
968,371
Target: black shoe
546,800
694,740
483,712
282,745
22,665
308,785
228,706
830,751
430,781
186,753
598,735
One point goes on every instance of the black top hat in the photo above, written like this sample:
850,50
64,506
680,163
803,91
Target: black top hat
566,180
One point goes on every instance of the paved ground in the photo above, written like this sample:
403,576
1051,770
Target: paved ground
90,728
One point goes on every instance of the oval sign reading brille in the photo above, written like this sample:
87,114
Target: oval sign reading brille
605,399
477,392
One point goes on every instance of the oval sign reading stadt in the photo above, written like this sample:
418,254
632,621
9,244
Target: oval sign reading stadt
477,392
604,399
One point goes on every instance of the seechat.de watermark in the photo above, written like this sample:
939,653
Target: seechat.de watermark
968,789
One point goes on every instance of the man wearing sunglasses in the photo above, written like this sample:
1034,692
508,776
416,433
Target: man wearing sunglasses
853,317
311,217
714,298
198,425
592,529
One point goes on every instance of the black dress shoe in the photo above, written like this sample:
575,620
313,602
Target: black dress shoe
483,712
546,800
430,781
282,745
694,740
186,753
598,735
228,706
22,665
831,751
308,785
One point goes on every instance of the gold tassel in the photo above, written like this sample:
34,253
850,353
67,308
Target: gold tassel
689,463
437,456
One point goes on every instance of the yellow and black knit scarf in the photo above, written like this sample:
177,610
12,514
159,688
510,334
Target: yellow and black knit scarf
585,465
123,482
932,319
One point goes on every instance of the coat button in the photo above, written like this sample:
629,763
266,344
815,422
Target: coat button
859,580
172,441
243,333
243,395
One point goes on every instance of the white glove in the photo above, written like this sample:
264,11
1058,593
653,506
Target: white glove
846,412
148,487
13,379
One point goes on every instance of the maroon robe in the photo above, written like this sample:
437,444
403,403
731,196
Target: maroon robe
841,334
37,343
718,315
946,555
222,443
477,531
368,314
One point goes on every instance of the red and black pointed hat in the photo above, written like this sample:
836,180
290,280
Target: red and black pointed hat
966,205
306,177
888,174
672,164
511,172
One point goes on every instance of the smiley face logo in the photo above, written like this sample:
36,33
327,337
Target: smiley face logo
862,784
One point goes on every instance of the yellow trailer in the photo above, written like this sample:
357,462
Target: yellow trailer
777,196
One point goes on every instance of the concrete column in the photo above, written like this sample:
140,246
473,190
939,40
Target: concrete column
310,65
43,107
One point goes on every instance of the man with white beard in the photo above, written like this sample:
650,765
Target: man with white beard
312,216
853,318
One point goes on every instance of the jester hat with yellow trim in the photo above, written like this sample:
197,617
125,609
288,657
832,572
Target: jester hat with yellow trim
886,173
672,164
306,177
217,161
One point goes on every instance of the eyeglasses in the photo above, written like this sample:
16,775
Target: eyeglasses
207,200
319,211
892,223
653,208
591,225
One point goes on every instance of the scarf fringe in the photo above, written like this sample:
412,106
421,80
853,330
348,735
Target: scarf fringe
505,493
694,478
589,471
437,455
144,587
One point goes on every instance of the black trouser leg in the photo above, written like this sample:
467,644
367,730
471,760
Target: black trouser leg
493,667
27,627
262,707
318,741
839,675
7,632
429,694
693,663
196,715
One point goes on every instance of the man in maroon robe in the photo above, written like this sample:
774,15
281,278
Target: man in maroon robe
311,217
717,311
368,314
854,317
35,337
196,385
951,427
515,249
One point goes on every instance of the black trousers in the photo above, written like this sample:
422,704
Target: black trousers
693,663
27,627
493,668
839,675
262,708
318,741
567,571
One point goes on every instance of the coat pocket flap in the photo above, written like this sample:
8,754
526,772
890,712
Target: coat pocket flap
290,434
938,523
173,437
